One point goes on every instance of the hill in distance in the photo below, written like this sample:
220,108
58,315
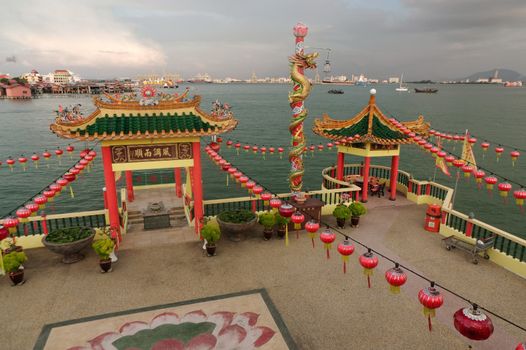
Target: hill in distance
504,74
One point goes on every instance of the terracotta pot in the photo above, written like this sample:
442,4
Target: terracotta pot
267,233
17,277
355,221
105,265
211,249
281,232
340,222
237,232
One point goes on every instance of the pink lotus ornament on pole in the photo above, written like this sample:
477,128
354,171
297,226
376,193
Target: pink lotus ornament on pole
300,30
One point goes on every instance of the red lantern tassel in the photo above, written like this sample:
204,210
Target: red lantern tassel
327,248
71,191
286,235
345,259
311,234
25,230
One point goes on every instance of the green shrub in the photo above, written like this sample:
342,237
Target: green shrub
280,220
13,260
103,247
357,209
267,219
341,212
237,216
70,234
211,233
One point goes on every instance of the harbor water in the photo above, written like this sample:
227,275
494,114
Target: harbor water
489,112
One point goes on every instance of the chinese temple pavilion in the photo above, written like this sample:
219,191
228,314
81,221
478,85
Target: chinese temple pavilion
154,132
370,134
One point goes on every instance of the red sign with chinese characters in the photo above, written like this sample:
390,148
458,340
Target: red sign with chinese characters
148,153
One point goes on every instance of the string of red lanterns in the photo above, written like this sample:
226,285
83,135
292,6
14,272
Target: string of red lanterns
470,321
36,157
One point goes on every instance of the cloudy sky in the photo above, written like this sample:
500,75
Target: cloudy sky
424,39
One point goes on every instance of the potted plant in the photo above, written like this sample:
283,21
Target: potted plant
281,223
236,223
341,213
211,234
268,220
357,210
13,265
69,242
104,247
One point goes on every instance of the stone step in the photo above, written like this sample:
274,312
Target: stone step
138,214
140,219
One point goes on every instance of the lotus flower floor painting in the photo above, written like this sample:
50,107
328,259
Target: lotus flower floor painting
241,321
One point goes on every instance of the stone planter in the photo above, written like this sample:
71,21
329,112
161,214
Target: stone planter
236,232
70,250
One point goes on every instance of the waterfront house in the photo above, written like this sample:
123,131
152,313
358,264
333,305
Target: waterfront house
14,91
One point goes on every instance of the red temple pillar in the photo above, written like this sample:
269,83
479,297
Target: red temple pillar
129,186
198,186
111,189
178,184
365,189
340,164
394,176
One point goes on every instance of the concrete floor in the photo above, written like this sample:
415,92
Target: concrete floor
322,307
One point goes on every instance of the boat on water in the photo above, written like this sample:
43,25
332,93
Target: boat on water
336,92
402,88
426,91
513,84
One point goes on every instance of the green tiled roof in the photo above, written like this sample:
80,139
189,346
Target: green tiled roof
382,131
136,123
358,128
379,130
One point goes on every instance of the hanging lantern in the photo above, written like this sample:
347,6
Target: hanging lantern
312,148
498,152
432,132
434,151
271,150
11,223
396,277
275,203
514,156
250,185
368,261
520,196
23,214
74,171
237,175
243,180
479,175
80,167
449,160
467,169
431,299
423,143
83,153
490,182
266,196
449,137
320,147
4,232
411,134
417,138
337,143
327,237
35,158
255,149
521,346
23,160
229,144
312,227
46,156
345,248
10,162
297,218
219,139
92,153
232,171
263,151
504,190
237,146
441,154
330,145
286,210
41,201
58,153
246,148
485,145
472,140
62,182
70,149
428,146
33,208
473,323
49,194
456,137
88,157
458,163
55,188
280,151
257,190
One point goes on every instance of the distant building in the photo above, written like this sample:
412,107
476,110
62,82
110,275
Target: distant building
394,80
62,76
32,78
13,90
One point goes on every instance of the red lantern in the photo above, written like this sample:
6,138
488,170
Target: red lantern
312,227
62,182
246,148
504,190
59,152
449,137
23,213
286,210
368,261
250,185
10,162
490,182
92,153
219,139
327,237
23,160
423,142
257,190
275,203
243,180
479,175
229,143
473,323
215,146
396,277
434,150
70,149
514,155
428,146
255,149
498,152
33,208
320,147
441,154
266,196
271,150
456,137
330,145
88,157
4,232
431,299
232,171
84,153
521,346
41,201
49,194
280,151
237,175
449,159
520,196
297,218
467,169
237,146
11,224
485,145
345,248
472,140
337,143
458,163
35,158
74,171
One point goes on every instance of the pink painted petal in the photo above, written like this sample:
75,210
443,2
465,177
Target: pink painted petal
222,319
104,340
194,317
164,318
231,337
80,348
168,344
246,319
131,328
202,342
257,337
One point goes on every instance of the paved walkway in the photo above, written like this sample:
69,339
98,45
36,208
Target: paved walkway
322,308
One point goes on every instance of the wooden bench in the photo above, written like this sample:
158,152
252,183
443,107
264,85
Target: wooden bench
481,246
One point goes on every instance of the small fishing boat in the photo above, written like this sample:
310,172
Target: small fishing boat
336,92
426,91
